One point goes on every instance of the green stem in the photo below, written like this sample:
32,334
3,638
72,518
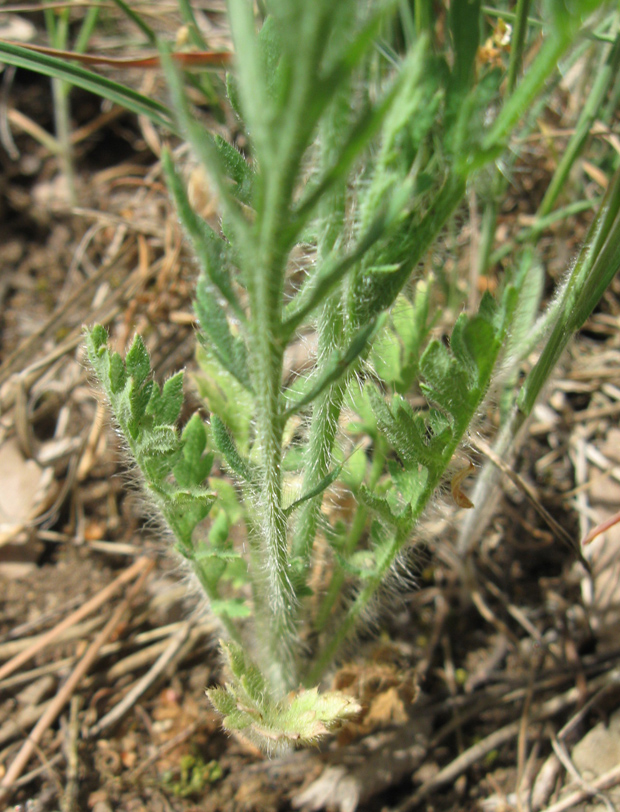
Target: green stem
526,92
596,266
604,76
267,357
517,44
353,538
58,32
62,119
348,623
323,427
598,262
526,235
266,265
422,16
500,182
213,595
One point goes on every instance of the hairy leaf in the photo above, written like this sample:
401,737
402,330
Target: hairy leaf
228,449
303,717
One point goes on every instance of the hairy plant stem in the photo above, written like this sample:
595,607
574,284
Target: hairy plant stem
267,358
323,427
353,538
213,595
348,623
319,455
265,282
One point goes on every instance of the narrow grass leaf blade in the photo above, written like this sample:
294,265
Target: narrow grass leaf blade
596,266
138,20
80,77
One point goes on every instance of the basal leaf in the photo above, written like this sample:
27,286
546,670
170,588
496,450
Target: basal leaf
224,396
158,440
411,482
254,685
222,700
480,339
211,567
379,505
218,532
97,338
303,717
446,383
361,564
195,438
427,433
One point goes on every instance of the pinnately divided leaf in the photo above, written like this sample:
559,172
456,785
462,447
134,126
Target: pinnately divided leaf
455,380
303,717
147,417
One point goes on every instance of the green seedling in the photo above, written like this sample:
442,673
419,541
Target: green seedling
358,156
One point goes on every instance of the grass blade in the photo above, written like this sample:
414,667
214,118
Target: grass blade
115,92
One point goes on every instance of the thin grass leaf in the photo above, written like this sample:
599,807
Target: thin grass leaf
80,77
189,19
146,29
597,264
606,74
86,29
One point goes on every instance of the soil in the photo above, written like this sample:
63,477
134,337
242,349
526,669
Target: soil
476,687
